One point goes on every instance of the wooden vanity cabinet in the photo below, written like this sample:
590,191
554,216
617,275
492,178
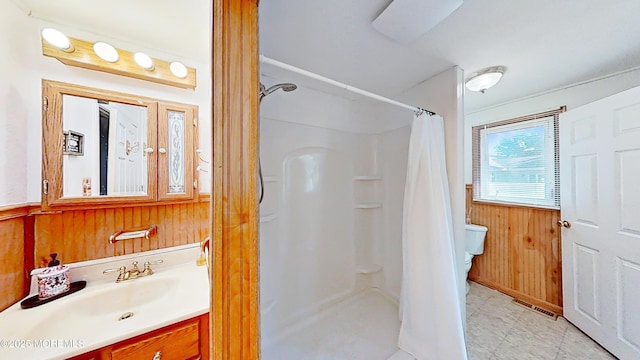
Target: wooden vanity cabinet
186,340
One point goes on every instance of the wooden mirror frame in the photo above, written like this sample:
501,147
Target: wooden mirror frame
52,141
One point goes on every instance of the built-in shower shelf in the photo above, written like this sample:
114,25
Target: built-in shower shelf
270,179
368,205
267,218
369,269
367,178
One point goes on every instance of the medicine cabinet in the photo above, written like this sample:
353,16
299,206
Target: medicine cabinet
102,148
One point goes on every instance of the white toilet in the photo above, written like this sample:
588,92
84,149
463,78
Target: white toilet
473,245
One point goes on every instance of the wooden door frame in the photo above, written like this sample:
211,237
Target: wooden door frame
234,311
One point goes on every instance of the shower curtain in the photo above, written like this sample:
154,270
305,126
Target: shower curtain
429,303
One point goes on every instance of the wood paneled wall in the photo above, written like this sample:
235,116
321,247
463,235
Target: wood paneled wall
522,255
12,250
28,237
79,235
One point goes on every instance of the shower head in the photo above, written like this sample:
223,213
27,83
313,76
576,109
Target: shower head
284,86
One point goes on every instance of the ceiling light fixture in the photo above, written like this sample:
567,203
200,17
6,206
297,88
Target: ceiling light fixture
57,39
106,52
143,60
484,79
178,69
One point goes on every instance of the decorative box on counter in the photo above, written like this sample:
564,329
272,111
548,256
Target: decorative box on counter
54,280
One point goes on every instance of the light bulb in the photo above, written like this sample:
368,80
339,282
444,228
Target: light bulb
143,60
106,52
178,69
57,39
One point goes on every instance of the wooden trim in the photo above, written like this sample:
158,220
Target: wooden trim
8,212
517,294
235,311
540,115
38,210
514,205
29,252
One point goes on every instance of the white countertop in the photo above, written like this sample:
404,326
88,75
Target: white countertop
88,319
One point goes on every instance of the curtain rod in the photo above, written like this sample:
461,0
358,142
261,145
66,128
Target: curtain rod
418,110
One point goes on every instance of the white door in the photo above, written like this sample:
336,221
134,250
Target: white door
600,200
126,164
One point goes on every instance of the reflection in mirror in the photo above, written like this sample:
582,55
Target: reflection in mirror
104,149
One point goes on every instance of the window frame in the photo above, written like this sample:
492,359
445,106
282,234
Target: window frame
549,120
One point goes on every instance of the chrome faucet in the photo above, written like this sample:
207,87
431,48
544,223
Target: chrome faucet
124,274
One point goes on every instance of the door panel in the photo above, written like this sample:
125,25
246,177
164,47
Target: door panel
629,191
629,314
585,180
600,198
585,271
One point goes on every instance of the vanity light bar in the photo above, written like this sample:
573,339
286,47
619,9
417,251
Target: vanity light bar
81,54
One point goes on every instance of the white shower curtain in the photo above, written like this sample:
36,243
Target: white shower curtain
429,303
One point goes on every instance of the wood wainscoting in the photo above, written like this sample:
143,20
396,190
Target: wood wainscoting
522,253
78,235
27,237
15,237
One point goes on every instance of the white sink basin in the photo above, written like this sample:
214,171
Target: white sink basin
142,294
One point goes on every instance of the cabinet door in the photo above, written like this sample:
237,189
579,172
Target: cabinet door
176,149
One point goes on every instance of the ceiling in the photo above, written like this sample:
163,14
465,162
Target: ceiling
545,44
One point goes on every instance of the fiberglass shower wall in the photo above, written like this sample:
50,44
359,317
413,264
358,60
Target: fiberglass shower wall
321,221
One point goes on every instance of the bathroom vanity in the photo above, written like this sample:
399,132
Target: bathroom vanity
159,316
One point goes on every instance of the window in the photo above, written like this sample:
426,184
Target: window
516,161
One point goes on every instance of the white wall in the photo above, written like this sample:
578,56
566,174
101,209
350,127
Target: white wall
310,240
24,69
393,152
571,96
14,105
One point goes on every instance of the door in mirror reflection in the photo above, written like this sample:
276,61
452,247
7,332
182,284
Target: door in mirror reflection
104,150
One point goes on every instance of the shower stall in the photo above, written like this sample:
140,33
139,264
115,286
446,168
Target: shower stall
333,176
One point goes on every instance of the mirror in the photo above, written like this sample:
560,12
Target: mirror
105,147
101,147
98,146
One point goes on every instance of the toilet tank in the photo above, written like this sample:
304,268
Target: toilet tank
474,238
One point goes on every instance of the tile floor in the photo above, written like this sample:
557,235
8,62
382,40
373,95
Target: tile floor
498,329
365,327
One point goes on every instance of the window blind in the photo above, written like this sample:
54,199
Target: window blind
517,161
